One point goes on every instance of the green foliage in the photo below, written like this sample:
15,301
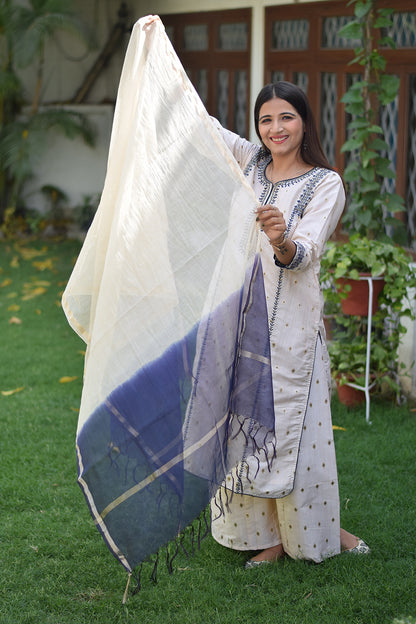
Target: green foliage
371,213
38,22
348,347
24,31
84,212
370,210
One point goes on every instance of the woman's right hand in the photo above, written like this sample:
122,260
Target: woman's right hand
272,223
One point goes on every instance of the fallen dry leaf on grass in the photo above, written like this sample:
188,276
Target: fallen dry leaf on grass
42,265
10,392
13,308
31,293
6,282
67,379
15,320
338,428
28,253
36,282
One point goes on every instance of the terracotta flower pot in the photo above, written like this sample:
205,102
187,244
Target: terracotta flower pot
356,302
350,396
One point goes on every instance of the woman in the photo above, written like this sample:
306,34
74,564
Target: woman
292,505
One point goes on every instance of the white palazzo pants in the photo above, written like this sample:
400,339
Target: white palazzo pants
306,522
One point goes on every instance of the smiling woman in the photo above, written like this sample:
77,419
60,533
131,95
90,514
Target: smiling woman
288,504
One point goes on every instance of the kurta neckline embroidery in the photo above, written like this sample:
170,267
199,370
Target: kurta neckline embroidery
287,182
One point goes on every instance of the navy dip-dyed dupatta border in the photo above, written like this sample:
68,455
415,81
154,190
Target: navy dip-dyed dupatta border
168,294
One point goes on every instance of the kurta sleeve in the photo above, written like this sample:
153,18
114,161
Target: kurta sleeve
311,229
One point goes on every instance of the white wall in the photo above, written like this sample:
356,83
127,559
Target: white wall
71,165
407,353
68,58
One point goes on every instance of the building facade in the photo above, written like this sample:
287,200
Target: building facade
230,48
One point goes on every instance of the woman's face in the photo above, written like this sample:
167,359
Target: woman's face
281,127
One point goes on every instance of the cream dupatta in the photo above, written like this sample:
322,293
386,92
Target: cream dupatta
167,293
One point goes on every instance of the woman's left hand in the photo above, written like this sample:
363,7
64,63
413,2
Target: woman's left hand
272,223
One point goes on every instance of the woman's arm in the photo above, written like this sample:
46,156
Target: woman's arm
307,240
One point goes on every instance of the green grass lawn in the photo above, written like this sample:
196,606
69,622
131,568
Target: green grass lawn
54,566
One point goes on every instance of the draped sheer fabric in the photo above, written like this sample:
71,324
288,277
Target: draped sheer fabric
167,293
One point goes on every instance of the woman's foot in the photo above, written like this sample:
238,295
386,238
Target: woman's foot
265,556
348,540
352,544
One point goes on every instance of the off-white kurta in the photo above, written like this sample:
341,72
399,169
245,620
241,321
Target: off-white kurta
296,502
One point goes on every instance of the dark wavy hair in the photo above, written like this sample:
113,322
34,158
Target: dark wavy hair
311,148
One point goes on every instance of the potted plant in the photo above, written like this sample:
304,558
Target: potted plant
349,333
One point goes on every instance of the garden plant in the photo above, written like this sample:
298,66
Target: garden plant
371,219
25,30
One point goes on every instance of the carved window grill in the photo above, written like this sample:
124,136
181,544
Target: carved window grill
329,96
214,47
290,34
411,168
330,29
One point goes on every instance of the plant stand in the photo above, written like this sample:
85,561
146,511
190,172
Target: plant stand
367,386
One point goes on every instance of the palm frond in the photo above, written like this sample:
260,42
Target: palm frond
35,26
69,122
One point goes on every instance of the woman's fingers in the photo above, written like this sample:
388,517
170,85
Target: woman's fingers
271,222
